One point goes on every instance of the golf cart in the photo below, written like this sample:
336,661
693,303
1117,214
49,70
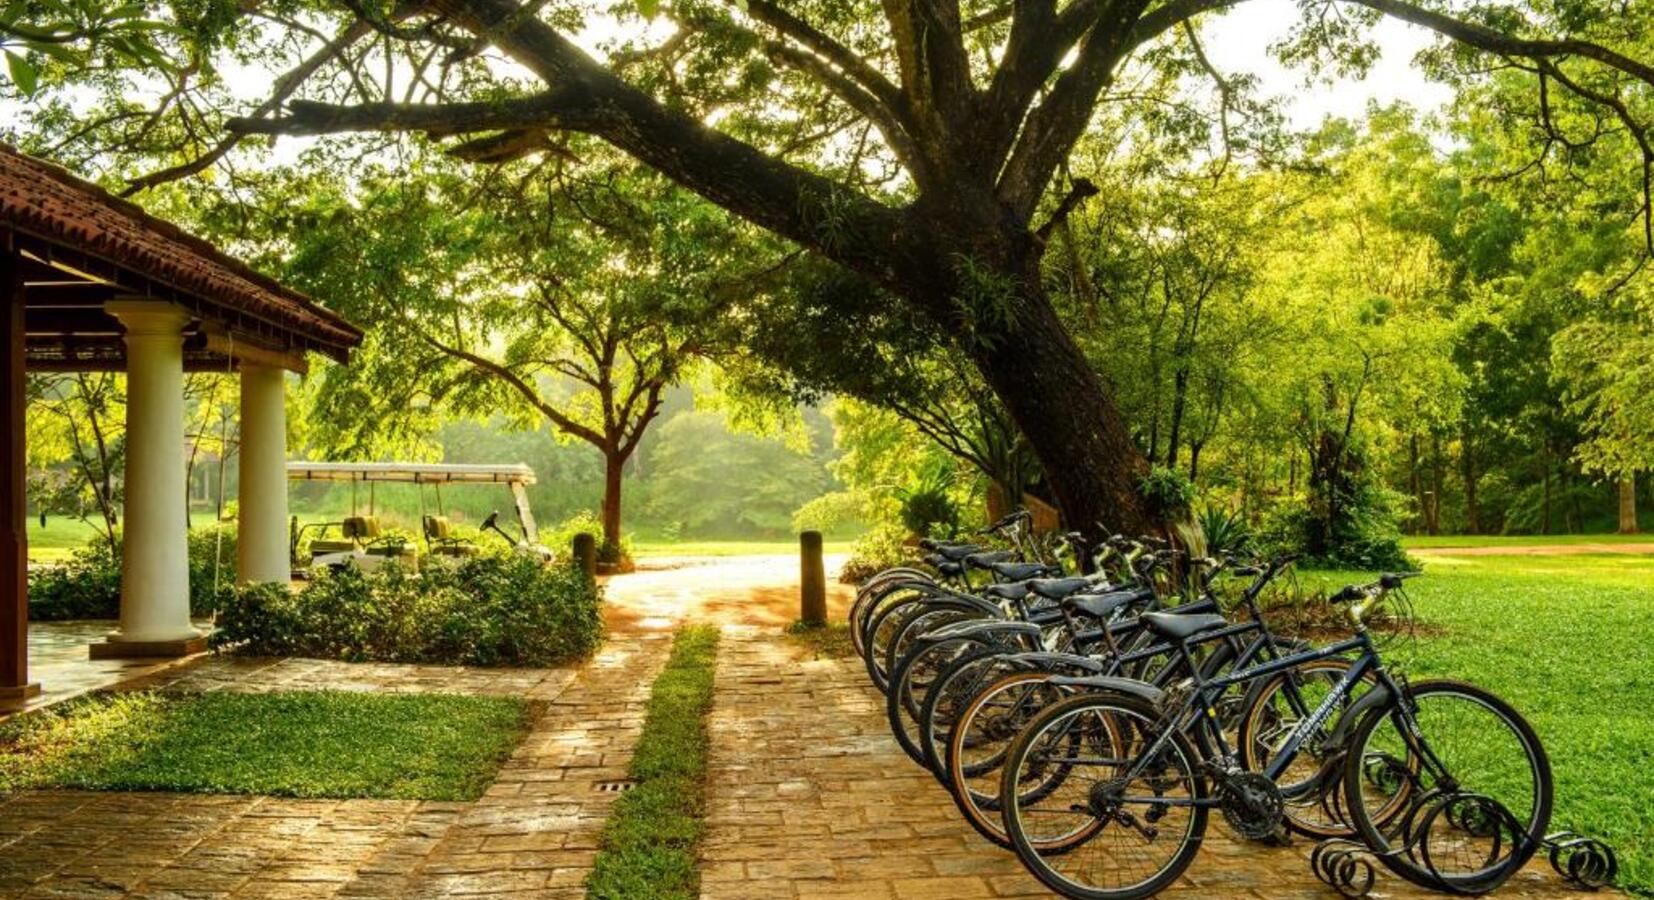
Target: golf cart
359,539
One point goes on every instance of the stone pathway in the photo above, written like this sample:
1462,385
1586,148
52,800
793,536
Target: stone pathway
532,835
810,797
58,659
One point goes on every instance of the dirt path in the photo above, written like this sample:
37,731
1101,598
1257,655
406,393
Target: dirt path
744,590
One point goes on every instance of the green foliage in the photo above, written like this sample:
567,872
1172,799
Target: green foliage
1168,492
300,744
1365,538
881,547
648,846
491,610
88,585
927,509
1226,530
715,482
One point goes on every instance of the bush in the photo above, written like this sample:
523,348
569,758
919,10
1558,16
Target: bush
561,540
1226,531
1367,539
927,510
882,547
88,586
493,610
1168,493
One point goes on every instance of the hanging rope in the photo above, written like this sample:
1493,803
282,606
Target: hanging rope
223,448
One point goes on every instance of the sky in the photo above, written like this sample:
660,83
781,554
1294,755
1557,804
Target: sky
1239,41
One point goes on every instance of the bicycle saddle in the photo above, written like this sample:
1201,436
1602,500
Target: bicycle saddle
1058,588
988,559
950,569
1015,571
1099,606
1181,626
1012,591
956,552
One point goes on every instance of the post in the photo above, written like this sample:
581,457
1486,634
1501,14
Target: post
585,550
812,580
155,588
261,518
14,535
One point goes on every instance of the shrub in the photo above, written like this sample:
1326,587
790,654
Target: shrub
1367,539
500,609
561,539
1167,492
883,546
88,586
926,507
1226,531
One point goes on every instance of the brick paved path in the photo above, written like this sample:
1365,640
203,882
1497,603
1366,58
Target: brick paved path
811,798
532,835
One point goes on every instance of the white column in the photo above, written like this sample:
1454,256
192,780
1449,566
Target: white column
155,603
262,506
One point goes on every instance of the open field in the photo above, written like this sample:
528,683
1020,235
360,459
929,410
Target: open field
1429,541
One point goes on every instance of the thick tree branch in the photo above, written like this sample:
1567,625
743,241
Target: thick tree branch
871,107
1058,122
841,57
556,109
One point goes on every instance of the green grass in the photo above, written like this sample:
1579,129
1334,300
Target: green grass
649,842
1428,541
645,549
299,744
62,535
1566,639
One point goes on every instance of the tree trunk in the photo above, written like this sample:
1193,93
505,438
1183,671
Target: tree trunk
614,466
1628,504
1058,402
1467,468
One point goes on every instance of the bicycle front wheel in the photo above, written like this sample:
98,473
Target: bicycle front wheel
1127,803
1474,782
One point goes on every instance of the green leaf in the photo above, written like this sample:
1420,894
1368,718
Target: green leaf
22,72
648,8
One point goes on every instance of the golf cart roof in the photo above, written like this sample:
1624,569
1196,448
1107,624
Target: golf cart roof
417,473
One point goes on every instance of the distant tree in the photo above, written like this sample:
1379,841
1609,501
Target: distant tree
573,295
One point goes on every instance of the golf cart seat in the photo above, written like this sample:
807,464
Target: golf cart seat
361,529
440,538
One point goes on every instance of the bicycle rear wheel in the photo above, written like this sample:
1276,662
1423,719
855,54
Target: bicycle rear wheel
1476,780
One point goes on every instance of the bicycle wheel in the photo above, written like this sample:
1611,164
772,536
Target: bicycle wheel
869,593
954,687
912,678
1477,785
980,741
1131,800
1312,784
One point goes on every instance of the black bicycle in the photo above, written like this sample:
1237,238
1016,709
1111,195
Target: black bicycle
1444,783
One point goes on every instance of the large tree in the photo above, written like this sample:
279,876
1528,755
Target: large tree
919,147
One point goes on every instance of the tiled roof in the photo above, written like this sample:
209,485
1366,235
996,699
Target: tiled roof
46,202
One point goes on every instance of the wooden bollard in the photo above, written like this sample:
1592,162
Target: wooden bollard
812,580
585,550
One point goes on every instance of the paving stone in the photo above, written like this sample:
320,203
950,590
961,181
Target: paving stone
803,775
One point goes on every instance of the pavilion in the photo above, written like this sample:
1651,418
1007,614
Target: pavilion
93,283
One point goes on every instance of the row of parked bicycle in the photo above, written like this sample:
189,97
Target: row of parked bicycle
1092,721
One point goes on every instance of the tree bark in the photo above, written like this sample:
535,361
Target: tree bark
1628,504
614,466
1467,469
1056,399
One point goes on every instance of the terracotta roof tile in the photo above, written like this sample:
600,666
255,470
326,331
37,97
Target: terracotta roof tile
45,201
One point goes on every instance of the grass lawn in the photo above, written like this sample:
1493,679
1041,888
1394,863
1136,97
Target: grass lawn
63,535
645,549
1427,541
299,744
1566,639
649,844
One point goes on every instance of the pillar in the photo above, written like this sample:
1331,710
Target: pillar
261,553
812,580
155,602
14,538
